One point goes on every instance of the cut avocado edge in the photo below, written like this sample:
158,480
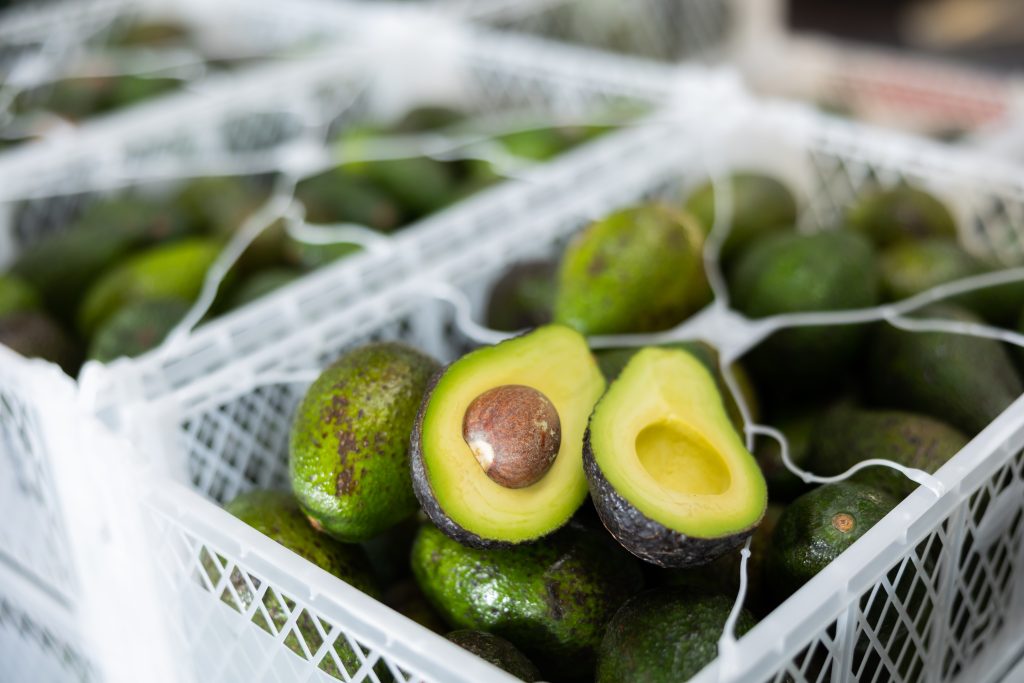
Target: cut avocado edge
454,490
640,455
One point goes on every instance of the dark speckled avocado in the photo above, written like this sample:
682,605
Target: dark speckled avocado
670,477
349,449
817,527
551,599
497,651
665,635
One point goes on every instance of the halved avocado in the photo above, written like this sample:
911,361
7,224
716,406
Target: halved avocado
668,473
458,495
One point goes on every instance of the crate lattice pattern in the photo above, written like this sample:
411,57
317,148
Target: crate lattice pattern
293,641
32,537
40,653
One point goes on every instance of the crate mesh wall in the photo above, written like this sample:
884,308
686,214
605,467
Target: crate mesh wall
930,613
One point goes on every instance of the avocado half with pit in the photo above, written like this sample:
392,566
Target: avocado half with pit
669,475
498,444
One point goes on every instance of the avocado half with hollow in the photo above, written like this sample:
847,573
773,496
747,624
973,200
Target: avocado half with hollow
668,473
497,447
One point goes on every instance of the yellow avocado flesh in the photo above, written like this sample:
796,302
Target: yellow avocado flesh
556,361
663,440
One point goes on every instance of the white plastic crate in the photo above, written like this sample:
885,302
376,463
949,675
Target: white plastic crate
227,428
875,84
46,418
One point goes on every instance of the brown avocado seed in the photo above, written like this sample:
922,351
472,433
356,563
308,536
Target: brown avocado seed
514,433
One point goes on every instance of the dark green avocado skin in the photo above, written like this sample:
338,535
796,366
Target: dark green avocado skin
806,540
845,437
551,599
665,635
964,381
497,651
649,540
425,492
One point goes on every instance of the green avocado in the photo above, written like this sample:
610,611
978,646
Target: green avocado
962,380
419,185
34,334
900,214
613,361
817,527
783,485
665,635
17,296
276,514
497,651
348,457
542,144
793,273
638,270
217,205
337,196
760,205
722,577
497,449
175,270
845,437
552,599
909,268
62,266
669,475
128,90
136,328
308,256
523,297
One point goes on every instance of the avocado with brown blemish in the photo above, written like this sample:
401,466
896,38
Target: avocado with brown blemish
348,455
551,599
640,269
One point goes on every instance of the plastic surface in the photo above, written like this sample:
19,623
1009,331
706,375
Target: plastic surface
959,544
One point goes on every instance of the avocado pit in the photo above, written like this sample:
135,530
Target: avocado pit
514,432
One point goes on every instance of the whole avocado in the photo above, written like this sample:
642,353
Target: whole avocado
175,270
760,205
783,485
348,456
962,380
817,527
62,266
638,270
665,635
497,651
522,297
900,214
137,328
845,437
552,599
794,273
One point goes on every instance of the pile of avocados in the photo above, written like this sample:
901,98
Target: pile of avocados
117,273
572,514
